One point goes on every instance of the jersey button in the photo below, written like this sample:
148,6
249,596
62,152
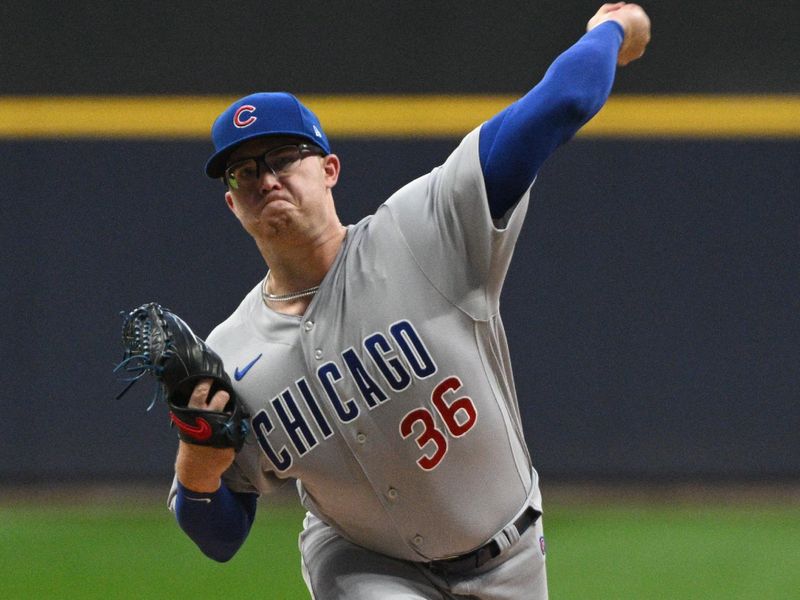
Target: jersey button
308,325
361,438
318,353
418,540
392,493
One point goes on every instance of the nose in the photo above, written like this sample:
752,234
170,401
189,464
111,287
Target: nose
268,181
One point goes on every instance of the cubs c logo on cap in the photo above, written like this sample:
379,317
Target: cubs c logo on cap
243,116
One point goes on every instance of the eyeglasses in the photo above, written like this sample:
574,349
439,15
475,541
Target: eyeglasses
244,174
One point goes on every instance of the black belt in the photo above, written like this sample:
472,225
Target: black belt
490,550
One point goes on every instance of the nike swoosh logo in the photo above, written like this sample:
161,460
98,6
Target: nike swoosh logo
206,500
238,374
201,430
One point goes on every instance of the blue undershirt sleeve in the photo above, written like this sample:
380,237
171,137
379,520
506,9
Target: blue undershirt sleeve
515,143
218,523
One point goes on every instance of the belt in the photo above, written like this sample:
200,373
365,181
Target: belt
490,550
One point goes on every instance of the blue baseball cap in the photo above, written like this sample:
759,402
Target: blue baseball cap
259,115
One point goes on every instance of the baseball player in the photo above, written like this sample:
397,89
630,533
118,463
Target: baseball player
372,357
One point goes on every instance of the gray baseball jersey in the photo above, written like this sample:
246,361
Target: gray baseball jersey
391,400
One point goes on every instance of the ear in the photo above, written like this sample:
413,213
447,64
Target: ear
332,167
229,201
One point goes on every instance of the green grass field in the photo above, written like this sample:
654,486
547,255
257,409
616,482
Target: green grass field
631,552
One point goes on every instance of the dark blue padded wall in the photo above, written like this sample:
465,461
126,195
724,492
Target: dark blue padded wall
651,307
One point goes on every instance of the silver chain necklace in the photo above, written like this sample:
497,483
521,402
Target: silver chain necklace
267,297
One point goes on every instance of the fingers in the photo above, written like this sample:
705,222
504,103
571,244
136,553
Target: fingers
635,23
607,8
219,401
199,398
637,33
200,394
602,14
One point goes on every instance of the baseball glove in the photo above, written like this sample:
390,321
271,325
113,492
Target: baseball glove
159,342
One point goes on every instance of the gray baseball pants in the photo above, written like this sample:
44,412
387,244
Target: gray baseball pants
336,569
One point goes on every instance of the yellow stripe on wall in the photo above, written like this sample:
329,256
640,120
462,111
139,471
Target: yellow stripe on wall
417,116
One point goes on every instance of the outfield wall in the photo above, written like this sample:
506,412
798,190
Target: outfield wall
652,305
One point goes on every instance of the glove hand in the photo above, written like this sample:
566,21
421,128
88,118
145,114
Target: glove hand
159,342
199,468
